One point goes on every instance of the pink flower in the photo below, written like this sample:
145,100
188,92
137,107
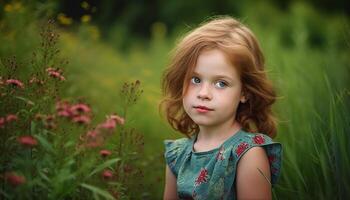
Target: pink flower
74,112
15,82
109,124
258,139
241,147
14,179
82,119
80,108
11,117
55,73
63,109
27,141
107,174
105,153
118,119
64,113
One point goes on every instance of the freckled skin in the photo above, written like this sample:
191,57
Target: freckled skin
204,89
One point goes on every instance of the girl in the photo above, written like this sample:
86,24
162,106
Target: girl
217,94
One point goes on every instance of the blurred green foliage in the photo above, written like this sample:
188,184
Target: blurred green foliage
307,54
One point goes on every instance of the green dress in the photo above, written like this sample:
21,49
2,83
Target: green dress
211,174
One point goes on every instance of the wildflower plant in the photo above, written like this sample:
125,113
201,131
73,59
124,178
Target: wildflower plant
50,147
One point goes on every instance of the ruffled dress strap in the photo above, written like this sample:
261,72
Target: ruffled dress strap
273,150
174,153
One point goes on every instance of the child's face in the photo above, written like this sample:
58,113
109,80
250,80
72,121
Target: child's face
216,85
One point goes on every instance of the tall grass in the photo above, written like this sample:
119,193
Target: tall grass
313,81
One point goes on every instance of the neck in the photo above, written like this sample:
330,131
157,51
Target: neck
219,132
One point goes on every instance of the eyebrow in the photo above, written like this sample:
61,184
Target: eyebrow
217,76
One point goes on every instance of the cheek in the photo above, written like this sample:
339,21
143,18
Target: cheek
230,98
186,101
189,93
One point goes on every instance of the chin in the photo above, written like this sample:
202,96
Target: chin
204,122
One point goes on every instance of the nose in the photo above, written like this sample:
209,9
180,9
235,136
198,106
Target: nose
204,92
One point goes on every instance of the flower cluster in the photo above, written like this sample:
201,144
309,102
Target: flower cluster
96,137
111,122
78,113
55,73
7,120
39,135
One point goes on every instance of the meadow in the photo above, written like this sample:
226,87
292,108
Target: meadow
307,57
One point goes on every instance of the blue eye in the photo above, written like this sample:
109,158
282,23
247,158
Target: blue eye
221,84
195,80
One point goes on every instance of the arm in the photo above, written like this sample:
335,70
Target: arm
250,183
170,191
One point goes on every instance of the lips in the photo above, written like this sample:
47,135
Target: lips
203,108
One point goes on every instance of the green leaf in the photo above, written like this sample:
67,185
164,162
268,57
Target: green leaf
46,144
104,165
43,176
68,144
97,190
25,100
32,127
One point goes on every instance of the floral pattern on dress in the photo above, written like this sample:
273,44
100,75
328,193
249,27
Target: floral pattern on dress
271,158
202,177
241,147
220,154
210,176
217,189
258,139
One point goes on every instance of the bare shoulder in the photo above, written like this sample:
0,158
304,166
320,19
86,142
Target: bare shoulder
253,171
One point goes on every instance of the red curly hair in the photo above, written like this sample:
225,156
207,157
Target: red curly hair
242,49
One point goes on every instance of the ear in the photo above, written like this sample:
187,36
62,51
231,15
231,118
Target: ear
243,98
